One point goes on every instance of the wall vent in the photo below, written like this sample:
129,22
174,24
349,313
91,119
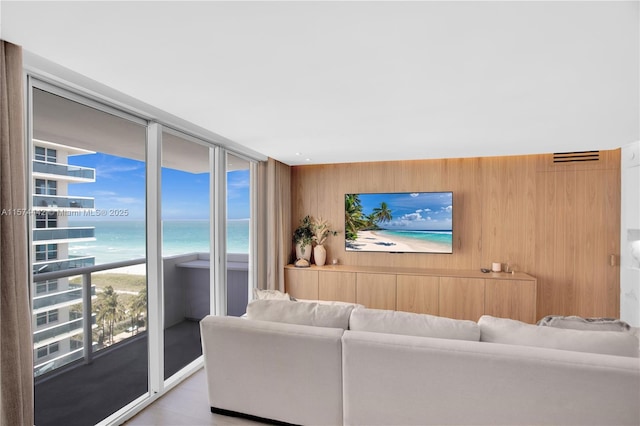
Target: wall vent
573,157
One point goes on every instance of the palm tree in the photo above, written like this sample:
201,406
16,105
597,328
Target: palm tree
353,220
137,305
370,221
382,213
109,310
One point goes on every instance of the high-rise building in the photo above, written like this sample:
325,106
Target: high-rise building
58,328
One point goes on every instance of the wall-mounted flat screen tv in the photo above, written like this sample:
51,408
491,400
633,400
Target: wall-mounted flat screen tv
399,222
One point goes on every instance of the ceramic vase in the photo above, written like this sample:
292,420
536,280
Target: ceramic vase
320,254
303,253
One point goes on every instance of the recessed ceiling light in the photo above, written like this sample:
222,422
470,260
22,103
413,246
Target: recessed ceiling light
307,159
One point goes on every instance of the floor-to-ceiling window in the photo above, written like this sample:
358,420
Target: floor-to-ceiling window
186,213
122,233
89,311
238,225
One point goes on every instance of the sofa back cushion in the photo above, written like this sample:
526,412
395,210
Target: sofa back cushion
410,324
502,330
303,313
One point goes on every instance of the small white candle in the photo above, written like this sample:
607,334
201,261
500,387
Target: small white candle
496,267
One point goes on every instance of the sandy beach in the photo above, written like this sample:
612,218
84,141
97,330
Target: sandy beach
371,241
131,270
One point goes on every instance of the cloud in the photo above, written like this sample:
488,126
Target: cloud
414,194
103,193
108,171
126,200
448,208
412,217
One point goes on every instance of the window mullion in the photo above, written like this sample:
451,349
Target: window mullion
155,292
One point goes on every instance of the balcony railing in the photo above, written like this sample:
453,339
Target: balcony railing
83,173
68,297
60,361
67,329
73,262
48,234
56,202
87,294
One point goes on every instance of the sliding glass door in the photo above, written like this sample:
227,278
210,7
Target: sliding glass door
238,227
127,217
186,212
88,260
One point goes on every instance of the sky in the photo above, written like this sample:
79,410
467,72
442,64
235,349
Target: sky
119,190
432,211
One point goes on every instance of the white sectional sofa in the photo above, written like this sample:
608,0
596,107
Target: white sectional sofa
317,364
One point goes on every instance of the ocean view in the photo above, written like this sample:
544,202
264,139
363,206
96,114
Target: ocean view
124,240
442,237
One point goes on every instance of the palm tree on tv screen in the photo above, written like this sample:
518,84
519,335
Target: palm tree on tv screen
382,213
353,220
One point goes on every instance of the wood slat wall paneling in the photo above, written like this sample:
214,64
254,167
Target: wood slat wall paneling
556,221
508,211
578,217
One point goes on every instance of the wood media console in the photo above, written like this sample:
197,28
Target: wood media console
461,294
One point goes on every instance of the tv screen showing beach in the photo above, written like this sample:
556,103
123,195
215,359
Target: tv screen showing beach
407,222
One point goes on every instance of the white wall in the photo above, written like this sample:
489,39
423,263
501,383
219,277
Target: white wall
630,235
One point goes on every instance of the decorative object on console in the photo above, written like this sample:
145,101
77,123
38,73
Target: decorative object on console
303,238
496,267
321,231
319,255
302,263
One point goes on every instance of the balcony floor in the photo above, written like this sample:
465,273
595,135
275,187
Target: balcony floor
86,394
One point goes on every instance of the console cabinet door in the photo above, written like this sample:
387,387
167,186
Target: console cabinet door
340,286
301,283
418,293
462,298
511,299
376,291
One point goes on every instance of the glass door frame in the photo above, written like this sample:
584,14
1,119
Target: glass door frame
157,386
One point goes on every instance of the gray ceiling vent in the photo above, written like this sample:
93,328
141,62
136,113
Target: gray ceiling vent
574,157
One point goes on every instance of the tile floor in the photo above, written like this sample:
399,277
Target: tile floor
185,405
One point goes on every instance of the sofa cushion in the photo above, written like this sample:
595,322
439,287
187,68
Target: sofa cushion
410,324
579,323
508,331
310,313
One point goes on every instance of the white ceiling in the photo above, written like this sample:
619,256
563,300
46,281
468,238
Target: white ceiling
326,82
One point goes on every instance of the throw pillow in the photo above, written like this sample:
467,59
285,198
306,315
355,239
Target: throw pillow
315,314
508,331
411,324
579,323
259,294
331,302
